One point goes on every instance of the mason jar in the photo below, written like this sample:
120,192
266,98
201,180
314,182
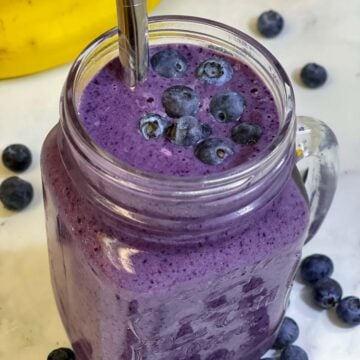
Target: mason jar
147,266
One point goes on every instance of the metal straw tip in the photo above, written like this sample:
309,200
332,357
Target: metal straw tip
133,40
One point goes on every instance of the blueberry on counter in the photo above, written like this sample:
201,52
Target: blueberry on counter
348,310
246,133
15,193
227,106
214,151
61,354
293,352
327,293
316,267
288,334
313,75
270,23
16,157
214,71
153,126
187,131
180,101
169,63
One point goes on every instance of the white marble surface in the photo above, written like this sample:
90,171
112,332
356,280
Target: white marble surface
325,31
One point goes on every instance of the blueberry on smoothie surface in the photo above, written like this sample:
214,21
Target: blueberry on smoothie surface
169,63
16,194
270,23
214,71
246,133
313,75
227,106
61,354
180,100
16,157
214,151
153,126
187,131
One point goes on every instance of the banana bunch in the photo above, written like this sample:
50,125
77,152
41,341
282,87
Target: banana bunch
37,35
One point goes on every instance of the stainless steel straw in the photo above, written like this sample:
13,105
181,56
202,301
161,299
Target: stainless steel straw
133,40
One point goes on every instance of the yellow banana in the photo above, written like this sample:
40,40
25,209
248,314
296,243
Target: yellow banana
37,35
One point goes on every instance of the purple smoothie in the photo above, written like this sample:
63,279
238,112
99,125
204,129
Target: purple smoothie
121,297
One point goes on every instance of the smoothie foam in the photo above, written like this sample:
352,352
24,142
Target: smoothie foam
110,113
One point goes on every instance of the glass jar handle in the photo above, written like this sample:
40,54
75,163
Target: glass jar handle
317,151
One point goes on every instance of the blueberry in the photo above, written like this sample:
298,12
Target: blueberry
270,23
15,193
61,354
214,151
294,352
180,100
246,133
316,267
227,106
169,63
348,310
220,354
153,126
288,333
16,157
327,293
187,131
214,71
313,75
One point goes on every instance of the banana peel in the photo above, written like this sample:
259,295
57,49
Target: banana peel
37,35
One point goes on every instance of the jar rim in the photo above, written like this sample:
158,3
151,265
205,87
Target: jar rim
117,169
